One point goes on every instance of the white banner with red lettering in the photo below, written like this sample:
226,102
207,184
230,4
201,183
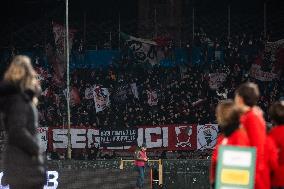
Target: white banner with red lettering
166,137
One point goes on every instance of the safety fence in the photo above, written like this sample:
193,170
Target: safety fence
121,174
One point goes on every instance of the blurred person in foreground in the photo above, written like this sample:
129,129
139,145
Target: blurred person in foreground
232,133
23,161
276,112
140,161
246,98
271,158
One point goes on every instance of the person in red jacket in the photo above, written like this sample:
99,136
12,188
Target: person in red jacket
246,98
231,132
276,113
271,158
140,161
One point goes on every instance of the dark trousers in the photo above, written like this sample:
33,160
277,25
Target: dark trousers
141,176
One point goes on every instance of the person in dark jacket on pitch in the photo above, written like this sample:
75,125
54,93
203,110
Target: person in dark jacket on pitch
23,161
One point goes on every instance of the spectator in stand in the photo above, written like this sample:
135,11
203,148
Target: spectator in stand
183,91
246,98
92,152
276,112
62,155
163,155
228,117
54,155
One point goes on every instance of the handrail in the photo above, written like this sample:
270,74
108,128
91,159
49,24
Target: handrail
131,160
160,167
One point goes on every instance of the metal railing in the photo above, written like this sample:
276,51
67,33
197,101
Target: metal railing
160,168
174,173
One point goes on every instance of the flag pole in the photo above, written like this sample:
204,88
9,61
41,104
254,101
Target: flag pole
119,30
84,28
229,21
264,19
193,20
110,40
68,80
155,20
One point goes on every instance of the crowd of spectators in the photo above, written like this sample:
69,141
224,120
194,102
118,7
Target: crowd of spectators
183,91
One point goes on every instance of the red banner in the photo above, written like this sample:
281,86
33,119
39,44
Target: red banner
166,137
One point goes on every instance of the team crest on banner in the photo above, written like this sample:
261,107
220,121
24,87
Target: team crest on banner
101,97
206,136
183,136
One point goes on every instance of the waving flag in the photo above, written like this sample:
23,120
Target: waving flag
101,97
276,51
272,55
59,38
152,97
134,90
144,51
74,96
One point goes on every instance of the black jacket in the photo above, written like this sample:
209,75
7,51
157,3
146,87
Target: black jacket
23,161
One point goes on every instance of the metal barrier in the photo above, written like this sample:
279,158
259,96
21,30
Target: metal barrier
185,174
181,174
150,163
119,174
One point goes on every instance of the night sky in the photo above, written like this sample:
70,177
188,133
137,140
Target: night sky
103,14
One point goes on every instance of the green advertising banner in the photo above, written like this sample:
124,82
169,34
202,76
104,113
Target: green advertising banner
235,168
